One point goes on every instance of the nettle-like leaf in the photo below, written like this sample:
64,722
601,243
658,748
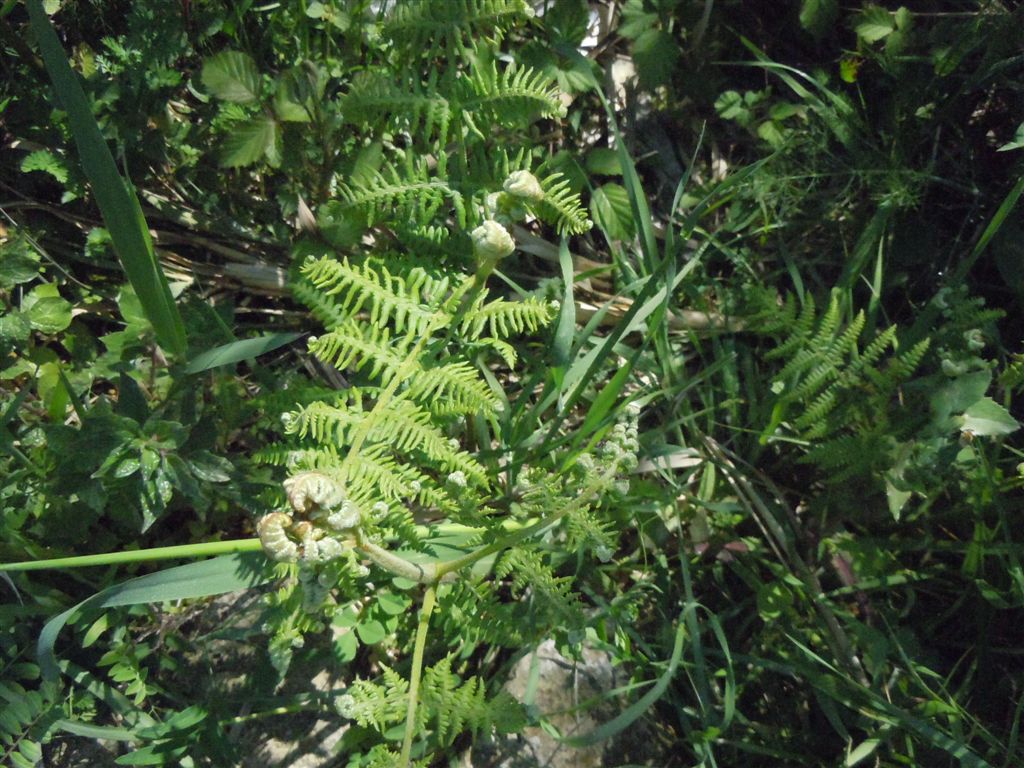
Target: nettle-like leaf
232,76
250,141
610,208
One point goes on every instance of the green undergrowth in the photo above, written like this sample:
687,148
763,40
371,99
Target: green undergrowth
686,333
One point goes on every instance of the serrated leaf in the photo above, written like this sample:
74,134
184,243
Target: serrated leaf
987,418
610,209
875,24
604,161
44,160
250,141
232,76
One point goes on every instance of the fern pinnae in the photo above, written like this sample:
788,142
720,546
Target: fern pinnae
905,363
816,412
357,346
390,298
324,308
502,318
798,330
458,385
437,26
408,192
512,95
418,109
564,205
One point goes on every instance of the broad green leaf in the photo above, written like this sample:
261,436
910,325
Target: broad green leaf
210,468
1017,142
346,646
987,418
875,24
862,752
227,573
604,161
19,263
636,19
392,604
90,731
237,351
818,16
655,53
14,326
897,498
956,396
288,104
566,327
371,632
49,314
232,76
121,211
611,209
250,141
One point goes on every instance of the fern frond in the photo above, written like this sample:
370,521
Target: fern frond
513,95
374,475
503,318
797,332
453,388
905,363
528,570
407,193
407,428
389,298
562,206
813,418
357,346
456,706
324,308
435,26
376,705
417,108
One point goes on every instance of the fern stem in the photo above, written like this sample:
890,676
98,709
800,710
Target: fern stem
417,669
389,561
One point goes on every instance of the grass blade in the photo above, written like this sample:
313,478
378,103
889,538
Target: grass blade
236,351
628,716
118,205
228,573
